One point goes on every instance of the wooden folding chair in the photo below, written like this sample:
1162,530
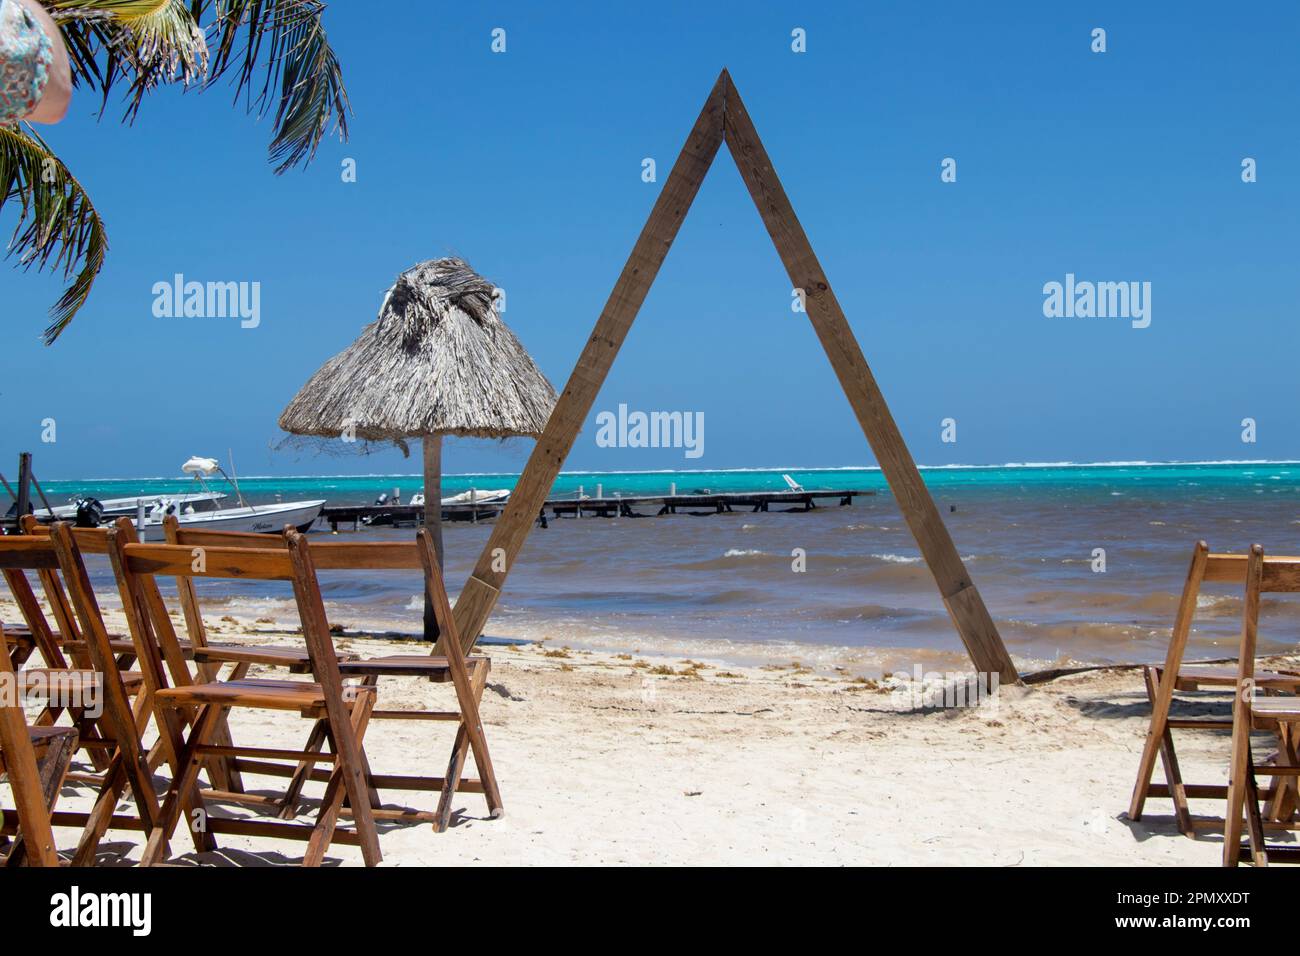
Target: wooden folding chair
66,634
446,663
1252,712
69,637
115,734
201,705
1174,675
195,645
36,761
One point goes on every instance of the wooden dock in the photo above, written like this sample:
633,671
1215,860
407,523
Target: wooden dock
624,506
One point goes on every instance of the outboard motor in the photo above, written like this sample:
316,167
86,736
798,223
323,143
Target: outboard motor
89,513
382,499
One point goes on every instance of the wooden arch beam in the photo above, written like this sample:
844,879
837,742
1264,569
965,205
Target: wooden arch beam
724,119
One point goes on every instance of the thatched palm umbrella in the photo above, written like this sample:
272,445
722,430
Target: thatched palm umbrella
438,361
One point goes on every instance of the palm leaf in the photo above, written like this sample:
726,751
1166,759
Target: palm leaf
147,43
285,41
58,227
275,51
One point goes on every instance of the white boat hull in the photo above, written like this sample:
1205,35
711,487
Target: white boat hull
117,507
268,519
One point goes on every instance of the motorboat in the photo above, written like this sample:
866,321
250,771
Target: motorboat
471,497
204,511
110,508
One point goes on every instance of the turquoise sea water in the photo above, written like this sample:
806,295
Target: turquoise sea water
1136,477
727,585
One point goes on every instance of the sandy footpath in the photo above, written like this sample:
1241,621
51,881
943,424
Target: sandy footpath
633,759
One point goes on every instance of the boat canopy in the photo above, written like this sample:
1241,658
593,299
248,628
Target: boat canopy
201,466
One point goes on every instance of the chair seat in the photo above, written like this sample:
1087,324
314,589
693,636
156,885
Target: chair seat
36,678
436,669
295,658
43,737
260,694
17,633
118,645
1199,676
1269,711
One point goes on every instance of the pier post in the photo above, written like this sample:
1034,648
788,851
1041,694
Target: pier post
24,483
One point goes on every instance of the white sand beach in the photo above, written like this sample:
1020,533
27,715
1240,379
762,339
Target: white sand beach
610,758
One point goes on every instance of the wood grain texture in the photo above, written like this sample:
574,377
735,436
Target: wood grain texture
511,530
965,606
725,119
1157,730
24,777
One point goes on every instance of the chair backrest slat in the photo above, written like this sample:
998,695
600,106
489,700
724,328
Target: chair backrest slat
367,556
179,534
89,540
200,561
326,555
20,553
1280,575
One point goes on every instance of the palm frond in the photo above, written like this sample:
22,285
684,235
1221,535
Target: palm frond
147,43
58,227
285,41
117,9
275,51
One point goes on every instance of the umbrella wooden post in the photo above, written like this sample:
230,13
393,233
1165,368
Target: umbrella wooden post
432,518
724,119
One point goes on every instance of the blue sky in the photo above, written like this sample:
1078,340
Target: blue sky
1120,166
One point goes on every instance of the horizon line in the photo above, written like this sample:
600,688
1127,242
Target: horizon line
1025,465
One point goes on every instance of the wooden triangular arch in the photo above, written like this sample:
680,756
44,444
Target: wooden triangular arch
724,119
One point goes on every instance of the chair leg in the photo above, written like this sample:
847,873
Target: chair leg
183,795
51,772
1255,822
1152,746
1237,774
451,780
1168,762
110,792
156,756
222,770
376,801
478,743
19,653
469,736
315,742
1282,806
337,788
125,768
